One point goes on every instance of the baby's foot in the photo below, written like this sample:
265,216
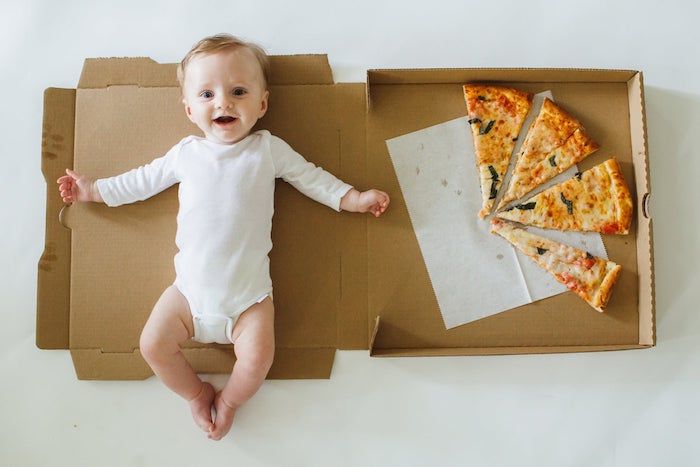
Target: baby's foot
201,407
224,418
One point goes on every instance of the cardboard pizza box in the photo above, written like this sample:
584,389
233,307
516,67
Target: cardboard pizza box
341,280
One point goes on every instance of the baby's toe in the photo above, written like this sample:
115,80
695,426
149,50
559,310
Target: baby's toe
223,421
216,433
201,408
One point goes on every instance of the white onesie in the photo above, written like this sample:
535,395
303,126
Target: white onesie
224,221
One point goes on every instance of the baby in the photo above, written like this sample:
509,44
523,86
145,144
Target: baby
222,291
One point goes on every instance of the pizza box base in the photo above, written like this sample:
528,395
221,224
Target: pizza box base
342,281
610,104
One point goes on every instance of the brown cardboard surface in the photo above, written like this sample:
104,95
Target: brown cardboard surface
127,112
333,274
53,276
402,101
645,245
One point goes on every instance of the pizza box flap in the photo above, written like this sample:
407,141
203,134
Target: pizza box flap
290,363
53,272
145,72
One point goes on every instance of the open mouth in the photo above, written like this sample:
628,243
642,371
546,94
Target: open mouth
224,120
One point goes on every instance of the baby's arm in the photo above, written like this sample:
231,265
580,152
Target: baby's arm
75,187
322,186
135,185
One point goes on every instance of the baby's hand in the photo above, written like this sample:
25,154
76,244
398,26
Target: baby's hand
373,201
76,187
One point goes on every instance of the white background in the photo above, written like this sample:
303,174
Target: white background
633,408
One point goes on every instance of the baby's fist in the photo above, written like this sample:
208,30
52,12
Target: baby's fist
373,201
75,187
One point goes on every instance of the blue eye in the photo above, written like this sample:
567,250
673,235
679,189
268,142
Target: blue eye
239,92
206,94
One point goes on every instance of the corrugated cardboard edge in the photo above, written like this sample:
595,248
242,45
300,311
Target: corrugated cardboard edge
645,247
476,351
440,76
53,274
290,363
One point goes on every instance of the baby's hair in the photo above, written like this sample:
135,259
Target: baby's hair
219,42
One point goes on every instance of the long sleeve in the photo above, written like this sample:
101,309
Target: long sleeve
143,182
306,177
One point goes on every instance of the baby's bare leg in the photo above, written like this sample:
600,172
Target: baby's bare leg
254,344
169,325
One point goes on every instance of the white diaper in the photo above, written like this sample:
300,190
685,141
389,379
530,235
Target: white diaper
213,328
210,328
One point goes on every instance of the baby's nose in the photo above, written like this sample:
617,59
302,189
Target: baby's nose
223,103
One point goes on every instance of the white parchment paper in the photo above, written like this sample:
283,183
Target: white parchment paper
474,273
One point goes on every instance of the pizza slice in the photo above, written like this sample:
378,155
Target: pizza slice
590,277
496,115
555,142
596,200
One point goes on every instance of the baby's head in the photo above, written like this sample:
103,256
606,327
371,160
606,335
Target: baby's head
224,86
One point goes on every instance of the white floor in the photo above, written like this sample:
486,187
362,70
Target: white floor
634,408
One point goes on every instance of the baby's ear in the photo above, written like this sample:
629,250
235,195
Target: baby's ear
188,111
263,105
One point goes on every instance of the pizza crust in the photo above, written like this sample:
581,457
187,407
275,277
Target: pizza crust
621,196
600,299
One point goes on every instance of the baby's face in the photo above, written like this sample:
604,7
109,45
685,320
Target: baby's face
224,94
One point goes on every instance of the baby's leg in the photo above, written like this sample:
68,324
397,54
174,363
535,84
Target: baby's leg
254,344
169,325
